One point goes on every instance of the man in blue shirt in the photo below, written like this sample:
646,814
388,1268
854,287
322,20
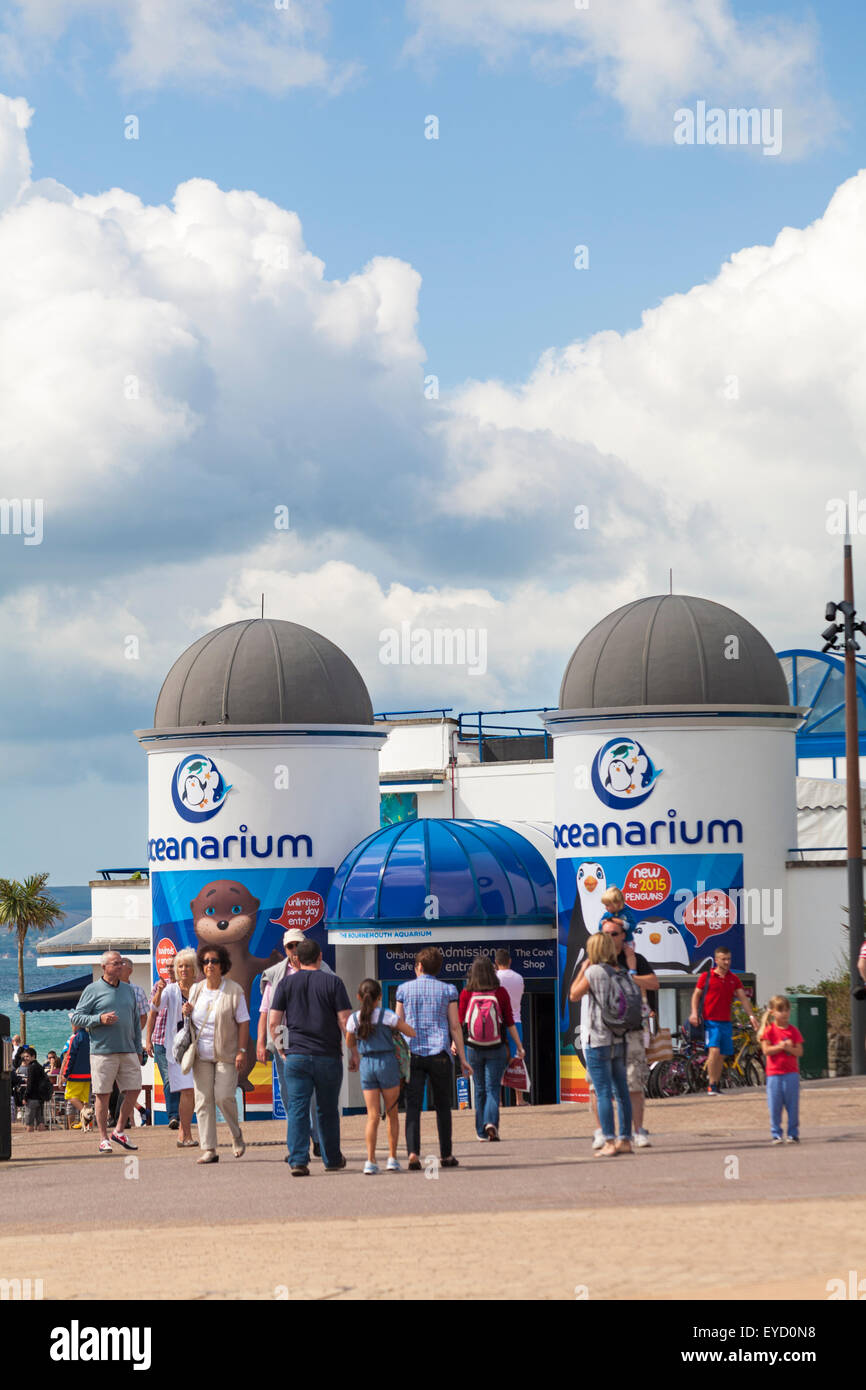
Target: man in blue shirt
430,1006
108,1009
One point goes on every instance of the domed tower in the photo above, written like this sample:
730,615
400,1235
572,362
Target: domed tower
262,774
674,762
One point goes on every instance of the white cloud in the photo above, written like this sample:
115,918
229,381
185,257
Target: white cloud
651,56
709,440
208,43
15,117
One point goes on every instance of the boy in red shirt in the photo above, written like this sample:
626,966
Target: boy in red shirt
722,987
782,1045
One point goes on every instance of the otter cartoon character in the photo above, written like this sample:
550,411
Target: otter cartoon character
224,913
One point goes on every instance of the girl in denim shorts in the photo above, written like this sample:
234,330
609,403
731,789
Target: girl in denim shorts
371,1031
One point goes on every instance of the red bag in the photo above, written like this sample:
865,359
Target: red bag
516,1076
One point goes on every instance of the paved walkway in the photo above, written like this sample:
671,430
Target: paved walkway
703,1213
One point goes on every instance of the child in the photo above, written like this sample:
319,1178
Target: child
370,1030
782,1045
615,904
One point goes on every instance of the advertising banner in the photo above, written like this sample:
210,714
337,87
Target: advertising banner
685,905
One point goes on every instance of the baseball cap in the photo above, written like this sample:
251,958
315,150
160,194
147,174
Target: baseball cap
293,935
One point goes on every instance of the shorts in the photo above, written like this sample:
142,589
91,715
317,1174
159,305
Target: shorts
33,1114
720,1035
77,1090
636,1065
380,1071
108,1067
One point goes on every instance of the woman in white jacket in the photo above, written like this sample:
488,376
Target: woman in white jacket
221,1025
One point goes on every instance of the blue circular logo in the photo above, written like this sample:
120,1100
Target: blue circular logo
197,788
623,774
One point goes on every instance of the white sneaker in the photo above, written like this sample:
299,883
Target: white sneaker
640,1139
598,1140
393,1166
371,1167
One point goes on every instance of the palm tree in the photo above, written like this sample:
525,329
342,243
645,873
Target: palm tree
22,906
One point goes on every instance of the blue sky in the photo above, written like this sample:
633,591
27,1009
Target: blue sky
525,168
410,257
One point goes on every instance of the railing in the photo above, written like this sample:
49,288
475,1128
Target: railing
398,713
481,732
123,873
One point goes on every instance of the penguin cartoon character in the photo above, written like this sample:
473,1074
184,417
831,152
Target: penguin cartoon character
619,776
664,947
585,921
194,791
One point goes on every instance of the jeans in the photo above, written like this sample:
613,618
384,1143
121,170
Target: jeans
488,1065
784,1091
281,1077
305,1075
438,1071
172,1100
606,1067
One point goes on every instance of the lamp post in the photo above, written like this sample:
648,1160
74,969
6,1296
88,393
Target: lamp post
848,627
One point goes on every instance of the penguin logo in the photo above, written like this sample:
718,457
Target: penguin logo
197,788
623,774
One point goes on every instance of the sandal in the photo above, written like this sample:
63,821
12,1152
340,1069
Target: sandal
187,1143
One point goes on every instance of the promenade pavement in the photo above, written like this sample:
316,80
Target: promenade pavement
703,1213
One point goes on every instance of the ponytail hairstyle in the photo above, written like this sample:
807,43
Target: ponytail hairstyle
778,1001
369,993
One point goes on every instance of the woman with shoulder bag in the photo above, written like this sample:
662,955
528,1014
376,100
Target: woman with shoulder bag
485,1012
172,998
371,1030
220,1023
605,1051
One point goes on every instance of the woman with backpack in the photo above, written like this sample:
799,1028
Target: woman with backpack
613,1001
485,1012
371,1029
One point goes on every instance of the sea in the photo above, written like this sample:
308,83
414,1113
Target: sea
51,1029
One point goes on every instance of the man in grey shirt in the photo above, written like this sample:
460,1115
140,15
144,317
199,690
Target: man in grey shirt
108,1009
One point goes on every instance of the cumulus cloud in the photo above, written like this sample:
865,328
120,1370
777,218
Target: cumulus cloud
15,117
170,375
651,56
208,43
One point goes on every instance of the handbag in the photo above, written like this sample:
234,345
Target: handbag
184,1046
660,1047
516,1076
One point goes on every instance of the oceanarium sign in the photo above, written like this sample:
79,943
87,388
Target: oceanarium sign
214,847
590,835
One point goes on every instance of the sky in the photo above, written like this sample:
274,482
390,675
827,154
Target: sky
480,295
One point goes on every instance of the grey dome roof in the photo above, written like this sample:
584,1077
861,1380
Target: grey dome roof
262,671
670,650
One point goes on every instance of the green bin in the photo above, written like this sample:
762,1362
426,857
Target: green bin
809,1014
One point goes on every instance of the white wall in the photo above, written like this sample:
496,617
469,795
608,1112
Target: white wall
120,908
413,747
817,941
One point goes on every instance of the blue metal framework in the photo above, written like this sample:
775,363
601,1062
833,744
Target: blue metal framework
817,680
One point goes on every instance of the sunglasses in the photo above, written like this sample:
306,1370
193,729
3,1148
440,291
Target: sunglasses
211,960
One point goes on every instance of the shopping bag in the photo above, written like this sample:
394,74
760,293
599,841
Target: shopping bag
516,1076
661,1047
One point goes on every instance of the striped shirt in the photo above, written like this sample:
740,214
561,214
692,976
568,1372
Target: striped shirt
158,1038
425,1003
